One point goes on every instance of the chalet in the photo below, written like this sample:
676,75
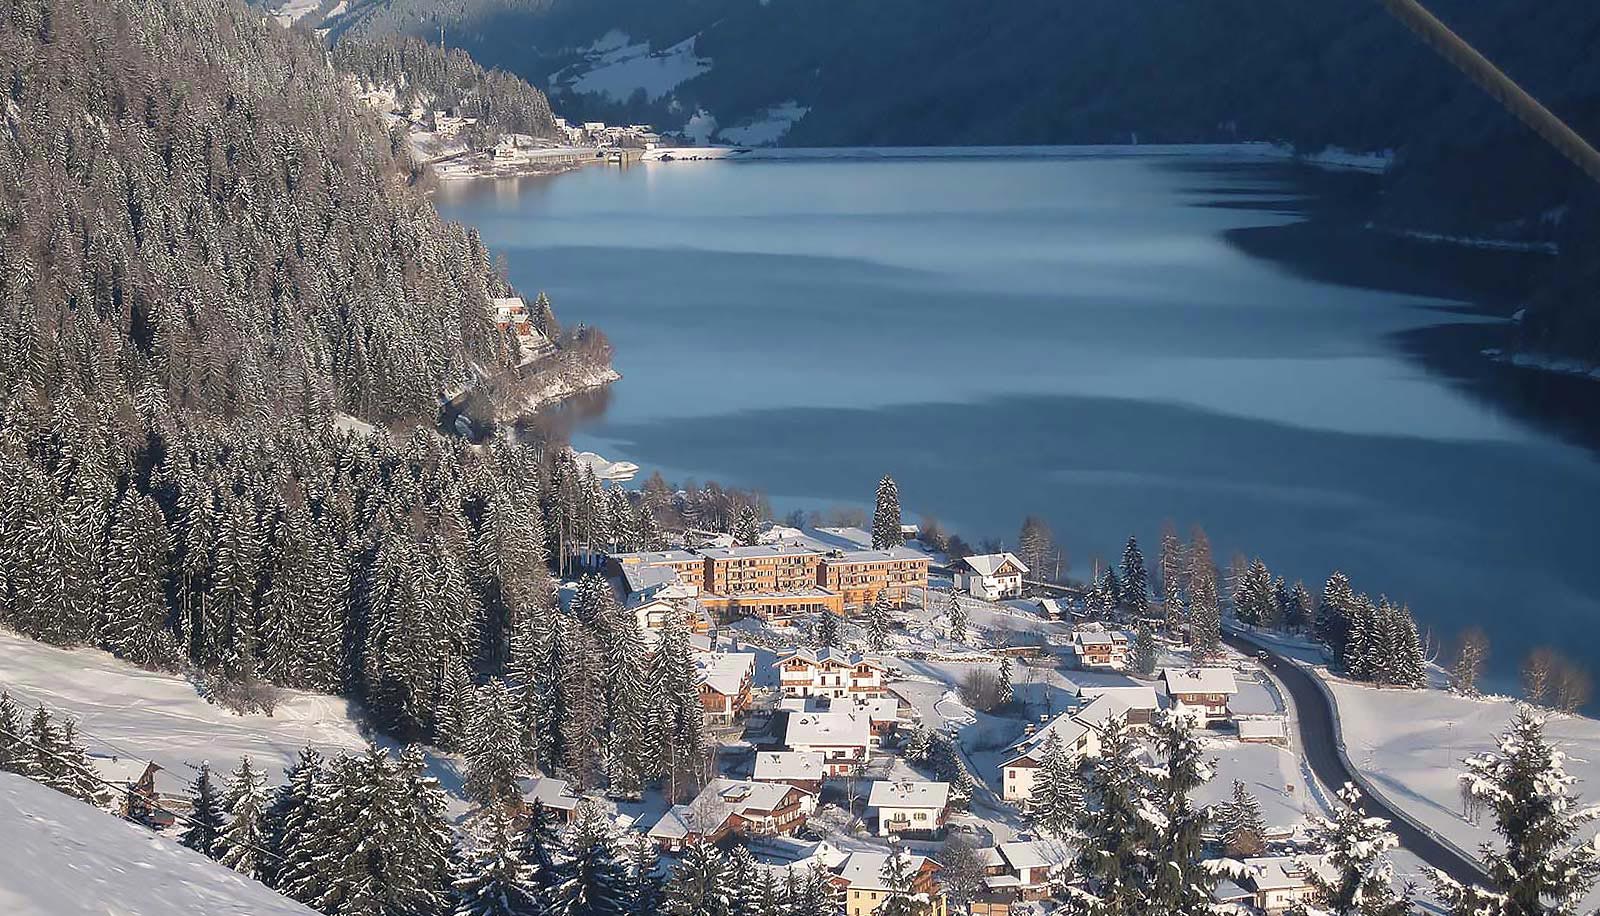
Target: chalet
1103,649
831,673
802,769
910,806
733,807
1262,730
150,797
1277,884
725,682
551,793
1028,870
861,576
652,617
1137,702
843,739
882,712
990,576
860,878
511,314
1203,691
1076,730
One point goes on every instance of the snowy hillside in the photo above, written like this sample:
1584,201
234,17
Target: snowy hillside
65,858
131,712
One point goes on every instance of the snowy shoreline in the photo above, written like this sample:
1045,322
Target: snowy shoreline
1331,158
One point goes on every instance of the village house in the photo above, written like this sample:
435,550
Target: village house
1077,731
511,314
151,797
843,739
806,672
1104,649
910,806
725,682
882,712
860,877
552,794
1275,884
802,769
860,576
990,576
733,807
652,617
1203,691
1137,702
1265,729
1026,870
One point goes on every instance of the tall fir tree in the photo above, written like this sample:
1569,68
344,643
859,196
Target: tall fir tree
1114,857
14,754
886,525
1173,566
898,878
242,844
1144,649
493,745
1182,885
492,879
825,635
1240,823
958,618
290,818
878,622
206,815
1135,591
1333,619
700,885
1356,850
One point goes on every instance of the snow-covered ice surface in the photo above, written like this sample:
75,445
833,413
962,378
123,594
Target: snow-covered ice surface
1410,743
126,711
769,128
616,67
66,858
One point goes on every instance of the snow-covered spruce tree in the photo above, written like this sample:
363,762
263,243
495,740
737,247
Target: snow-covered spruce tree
452,709
15,757
1056,805
747,526
1334,612
583,696
206,819
289,817
1115,859
899,881
78,777
1361,641
1298,608
242,844
1357,852
1144,649
958,618
1240,823
700,884
826,633
624,522
1005,692
684,748
493,745
1205,613
643,886
744,882
539,845
886,531
1135,580
878,623
1181,887
1544,867
492,879
133,575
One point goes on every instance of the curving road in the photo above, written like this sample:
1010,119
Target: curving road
1315,718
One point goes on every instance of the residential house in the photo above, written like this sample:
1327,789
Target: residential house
882,712
1203,691
1137,702
1077,731
1027,870
808,672
861,576
990,576
843,739
552,793
733,807
1099,648
1262,730
511,314
725,682
860,878
804,770
1277,884
910,806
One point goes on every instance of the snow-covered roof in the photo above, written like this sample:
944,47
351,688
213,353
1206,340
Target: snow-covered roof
1099,637
549,791
879,556
651,557
827,729
1065,725
906,793
864,870
987,564
1128,696
1276,873
1036,854
120,770
1200,680
1261,728
836,656
719,800
877,709
756,552
725,672
639,577
778,766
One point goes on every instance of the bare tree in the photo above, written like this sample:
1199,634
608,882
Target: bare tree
1536,674
1472,651
1572,686
980,689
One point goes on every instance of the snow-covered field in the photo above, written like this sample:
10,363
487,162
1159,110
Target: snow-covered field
292,11
123,710
66,858
616,67
767,129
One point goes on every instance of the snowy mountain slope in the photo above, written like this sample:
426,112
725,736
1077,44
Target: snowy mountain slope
127,711
65,858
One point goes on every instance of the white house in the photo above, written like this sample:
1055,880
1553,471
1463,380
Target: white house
552,793
831,673
1277,884
990,576
843,739
1101,649
1078,740
1203,691
910,806
802,769
733,806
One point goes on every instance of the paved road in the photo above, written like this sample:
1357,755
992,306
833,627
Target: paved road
1317,738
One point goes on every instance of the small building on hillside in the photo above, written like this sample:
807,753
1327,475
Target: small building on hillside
990,576
1101,649
1029,870
725,682
843,739
1077,730
1264,729
806,672
860,878
804,770
910,806
551,793
1137,702
732,807
1277,884
1202,691
151,796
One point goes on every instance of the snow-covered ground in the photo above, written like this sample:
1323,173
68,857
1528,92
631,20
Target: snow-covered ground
769,128
292,11
616,67
66,858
